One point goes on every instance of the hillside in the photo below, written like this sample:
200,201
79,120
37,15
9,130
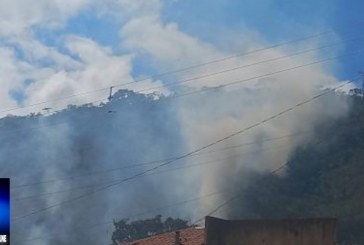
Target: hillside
324,178
80,149
88,147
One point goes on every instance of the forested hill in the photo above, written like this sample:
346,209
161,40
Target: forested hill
81,149
324,178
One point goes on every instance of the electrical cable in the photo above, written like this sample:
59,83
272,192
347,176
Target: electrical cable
180,157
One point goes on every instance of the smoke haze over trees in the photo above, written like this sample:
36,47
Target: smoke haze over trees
185,74
82,148
79,141
323,178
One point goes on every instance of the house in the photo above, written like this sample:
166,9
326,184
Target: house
250,232
270,232
189,236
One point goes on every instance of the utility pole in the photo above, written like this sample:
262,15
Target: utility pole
110,98
47,110
362,84
110,95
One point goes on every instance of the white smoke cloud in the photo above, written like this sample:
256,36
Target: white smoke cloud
206,118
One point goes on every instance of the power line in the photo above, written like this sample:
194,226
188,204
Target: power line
162,160
182,156
177,70
233,198
225,203
163,208
137,214
235,82
252,64
268,74
218,161
320,61
173,169
157,209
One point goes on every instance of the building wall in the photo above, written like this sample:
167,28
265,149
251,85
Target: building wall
270,232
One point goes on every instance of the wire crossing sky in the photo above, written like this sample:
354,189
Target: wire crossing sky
56,56
120,86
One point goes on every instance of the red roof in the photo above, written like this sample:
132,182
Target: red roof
189,236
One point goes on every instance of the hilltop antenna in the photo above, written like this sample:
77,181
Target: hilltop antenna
110,98
47,110
362,83
110,95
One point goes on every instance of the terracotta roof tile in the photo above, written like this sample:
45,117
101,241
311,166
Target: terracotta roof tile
189,236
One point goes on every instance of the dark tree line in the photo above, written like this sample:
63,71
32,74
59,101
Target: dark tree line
126,231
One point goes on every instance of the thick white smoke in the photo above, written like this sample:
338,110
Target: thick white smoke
206,117
141,132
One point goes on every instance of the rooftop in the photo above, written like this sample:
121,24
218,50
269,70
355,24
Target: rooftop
189,236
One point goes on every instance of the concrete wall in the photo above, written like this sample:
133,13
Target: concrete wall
270,232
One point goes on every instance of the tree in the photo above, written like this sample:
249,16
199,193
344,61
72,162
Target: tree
126,231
